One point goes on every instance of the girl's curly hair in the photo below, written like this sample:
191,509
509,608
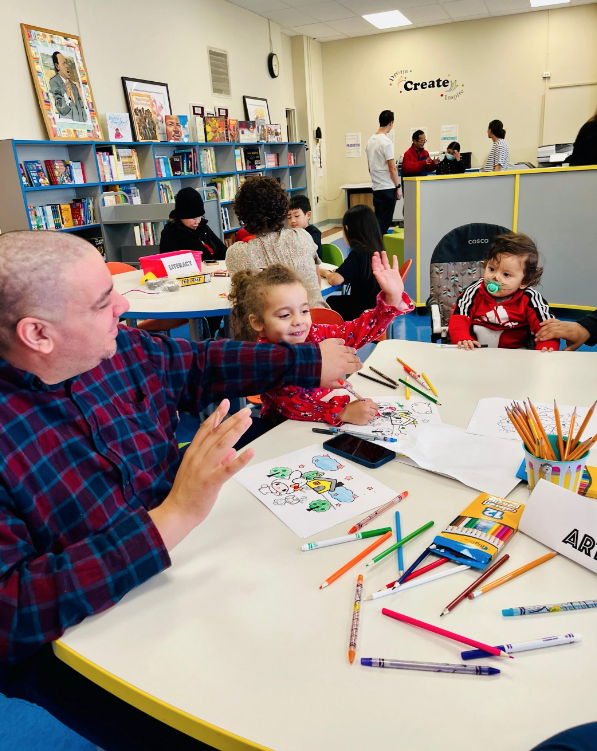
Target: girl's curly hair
261,205
248,295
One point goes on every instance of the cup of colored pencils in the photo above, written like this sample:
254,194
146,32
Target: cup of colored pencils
553,457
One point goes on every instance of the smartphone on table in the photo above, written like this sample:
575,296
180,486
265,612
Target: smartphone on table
362,452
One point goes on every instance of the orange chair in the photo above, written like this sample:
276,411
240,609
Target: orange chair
405,268
151,324
323,315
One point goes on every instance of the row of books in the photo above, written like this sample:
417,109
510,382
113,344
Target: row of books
59,172
117,164
225,218
111,195
166,193
182,162
292,159
226,187
145,234
222,130
207,159
55,216
247,157
271,161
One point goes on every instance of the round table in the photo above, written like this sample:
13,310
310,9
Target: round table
195,302
236,644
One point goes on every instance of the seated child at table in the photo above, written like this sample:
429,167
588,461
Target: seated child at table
503,309
272,306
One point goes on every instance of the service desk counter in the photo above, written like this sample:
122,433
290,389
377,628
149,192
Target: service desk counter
557,207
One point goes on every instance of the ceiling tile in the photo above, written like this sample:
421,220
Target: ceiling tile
502,5
465,8
333,39
426,13
298,3
361,7
288,32
351,26
433,23
328,11
405,4
316,30
289,17
471,18
261,6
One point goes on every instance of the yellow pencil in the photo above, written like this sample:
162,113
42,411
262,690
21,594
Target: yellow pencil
428,382
511,575
407,392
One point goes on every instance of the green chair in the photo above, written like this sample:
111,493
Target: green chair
394,245
331,254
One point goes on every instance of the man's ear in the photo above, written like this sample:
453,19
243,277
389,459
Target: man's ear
35,334
256,324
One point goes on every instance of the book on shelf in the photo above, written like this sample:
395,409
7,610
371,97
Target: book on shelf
166,192
273,133
247,131
239,159
145,234
36,173
119,126
291,159
226,187
24,179
111,195
252,155
247,176
271,161
117,163
225,217
55,216
232,130
207,158
98,243
290,182
215,129
261,130
182,162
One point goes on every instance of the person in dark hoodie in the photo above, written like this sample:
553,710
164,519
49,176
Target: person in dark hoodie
187,228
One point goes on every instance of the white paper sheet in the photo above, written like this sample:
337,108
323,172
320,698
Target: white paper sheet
311,489
490,419
486,464
398,417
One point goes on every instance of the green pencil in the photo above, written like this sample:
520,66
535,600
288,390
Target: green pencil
400,543
414,388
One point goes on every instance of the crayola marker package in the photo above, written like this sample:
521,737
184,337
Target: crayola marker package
480,532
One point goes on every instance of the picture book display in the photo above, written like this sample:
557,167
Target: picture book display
215,129
490,419
311,490
119,126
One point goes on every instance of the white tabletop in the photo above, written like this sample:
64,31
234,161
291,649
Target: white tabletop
210,299
238,634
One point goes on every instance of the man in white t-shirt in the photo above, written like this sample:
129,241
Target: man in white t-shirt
383,171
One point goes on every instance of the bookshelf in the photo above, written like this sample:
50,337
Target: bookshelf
15,198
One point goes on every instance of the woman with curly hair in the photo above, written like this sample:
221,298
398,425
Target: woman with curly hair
261,206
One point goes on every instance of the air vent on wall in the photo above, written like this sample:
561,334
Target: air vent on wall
218,68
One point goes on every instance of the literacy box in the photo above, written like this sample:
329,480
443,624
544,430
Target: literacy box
171,264
480,531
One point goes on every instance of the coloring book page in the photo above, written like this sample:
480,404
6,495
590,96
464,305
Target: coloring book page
311,490
490,419
398,417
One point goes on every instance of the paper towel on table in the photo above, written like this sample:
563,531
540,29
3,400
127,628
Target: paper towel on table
486,464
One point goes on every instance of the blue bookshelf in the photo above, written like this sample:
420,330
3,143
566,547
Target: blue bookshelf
15,198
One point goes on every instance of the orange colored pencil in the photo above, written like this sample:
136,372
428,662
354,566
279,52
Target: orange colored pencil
582,448
570,440
355,560
520,420
585,422
556,412
548,449
511,575
520,432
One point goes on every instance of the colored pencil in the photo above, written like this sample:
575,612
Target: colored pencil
525,646
414,388
404,540
383,375
370,378
456,601
584,424
413,373
377,512
559,607
398,538
416,583
582,448
512,575
432,667
443,632
414,565
407,391
569,440
354,626
556,412
428,382
346,538
550,453
355,560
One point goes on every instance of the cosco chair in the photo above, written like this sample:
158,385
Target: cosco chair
331,254
151,324
457,261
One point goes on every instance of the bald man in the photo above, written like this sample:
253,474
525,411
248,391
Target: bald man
93,493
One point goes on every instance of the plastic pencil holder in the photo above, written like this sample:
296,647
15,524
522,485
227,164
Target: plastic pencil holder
565,474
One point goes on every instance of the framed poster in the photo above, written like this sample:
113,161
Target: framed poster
62,85
160,100
256,108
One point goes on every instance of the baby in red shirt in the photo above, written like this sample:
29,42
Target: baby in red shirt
271,306
502,308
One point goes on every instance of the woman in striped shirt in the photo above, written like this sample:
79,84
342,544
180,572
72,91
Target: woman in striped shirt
498,156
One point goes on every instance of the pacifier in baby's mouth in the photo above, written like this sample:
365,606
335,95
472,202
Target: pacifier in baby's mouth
493,287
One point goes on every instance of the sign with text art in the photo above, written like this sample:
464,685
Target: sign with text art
62,84
441,84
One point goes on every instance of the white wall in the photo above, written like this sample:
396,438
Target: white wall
149,39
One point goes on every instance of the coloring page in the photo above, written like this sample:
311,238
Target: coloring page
490,419
398,417
311,490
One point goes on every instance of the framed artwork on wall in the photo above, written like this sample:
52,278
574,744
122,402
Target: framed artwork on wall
256,108
160,101
62,84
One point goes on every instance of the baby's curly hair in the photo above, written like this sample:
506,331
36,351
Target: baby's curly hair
261,205
517,244
248,295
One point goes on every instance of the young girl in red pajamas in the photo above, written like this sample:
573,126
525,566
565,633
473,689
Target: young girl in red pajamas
271,306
